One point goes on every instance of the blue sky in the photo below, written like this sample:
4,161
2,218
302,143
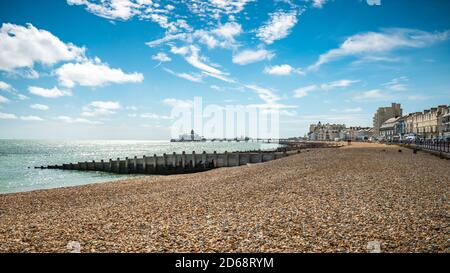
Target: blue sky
113,69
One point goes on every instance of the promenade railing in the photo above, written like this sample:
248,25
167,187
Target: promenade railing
442,146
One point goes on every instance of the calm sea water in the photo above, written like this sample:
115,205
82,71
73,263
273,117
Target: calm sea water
16,156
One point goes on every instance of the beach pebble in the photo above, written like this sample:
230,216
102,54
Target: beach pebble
350,199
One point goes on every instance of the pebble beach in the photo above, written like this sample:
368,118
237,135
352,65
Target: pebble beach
347,199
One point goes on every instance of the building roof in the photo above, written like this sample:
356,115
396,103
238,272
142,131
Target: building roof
392,120
390,123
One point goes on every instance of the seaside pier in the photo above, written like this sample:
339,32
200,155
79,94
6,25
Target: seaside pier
182,163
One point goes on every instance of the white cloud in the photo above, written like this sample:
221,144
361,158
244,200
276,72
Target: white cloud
186,76
27,73
31,118
221,36
192,56
126,9
100,108
227,33
265,94
178,103
194,60
338,84
112,9
319,3
40,107
94,74
278,27
161,57
219,77
217,88
207,39
108,105
186,37
334,118
215,8
418,97
252,56
397,84
22,97
304,91
67,119
154,116
6,87
370,59
228,30
374,94
375,43
3,99
353,110
132,108
55,92
180,50
7,116
21,47
281,70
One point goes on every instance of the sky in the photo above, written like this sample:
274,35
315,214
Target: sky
114,69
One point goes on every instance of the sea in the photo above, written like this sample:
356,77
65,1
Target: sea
19,157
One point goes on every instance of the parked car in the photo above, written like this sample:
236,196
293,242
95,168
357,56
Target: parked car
411,137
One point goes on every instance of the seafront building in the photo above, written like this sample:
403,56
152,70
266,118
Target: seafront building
390,125
444,128
433,123
392,129
385,113
356,133
331,132
427,123
325,132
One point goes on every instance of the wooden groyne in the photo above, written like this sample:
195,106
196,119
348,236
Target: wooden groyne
174,163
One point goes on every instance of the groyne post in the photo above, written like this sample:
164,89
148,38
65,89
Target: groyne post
144,164
126,164
204,159
174,160
165,160
135,164
215,159
193,159
155,161
118,165
225,159
237,159
183,159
